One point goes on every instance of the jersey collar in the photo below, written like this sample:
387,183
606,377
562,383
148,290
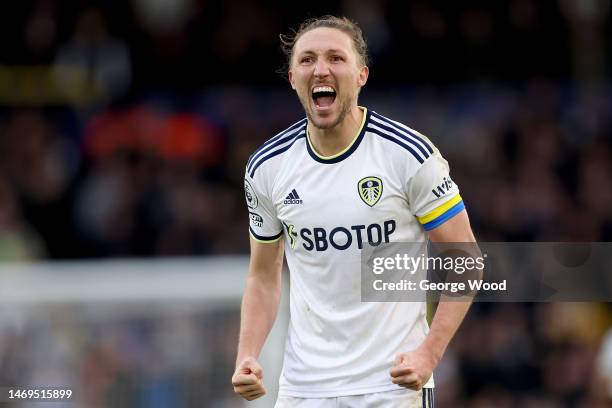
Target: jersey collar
338,157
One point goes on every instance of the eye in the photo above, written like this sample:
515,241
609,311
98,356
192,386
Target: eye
306,60
336,58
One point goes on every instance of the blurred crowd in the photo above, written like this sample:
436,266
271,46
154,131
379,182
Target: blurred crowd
122,355
533,163
131,46
125,127
528,356
161,356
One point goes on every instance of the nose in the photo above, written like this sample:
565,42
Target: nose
321,68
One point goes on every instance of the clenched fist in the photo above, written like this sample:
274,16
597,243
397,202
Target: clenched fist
413,369
247,379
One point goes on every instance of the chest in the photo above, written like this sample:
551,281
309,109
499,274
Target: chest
360,190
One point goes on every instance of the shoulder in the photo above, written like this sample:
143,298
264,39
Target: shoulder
276,146
400,140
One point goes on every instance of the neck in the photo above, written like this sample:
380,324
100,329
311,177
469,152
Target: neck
329,142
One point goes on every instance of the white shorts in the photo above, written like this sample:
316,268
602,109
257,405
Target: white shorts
388,399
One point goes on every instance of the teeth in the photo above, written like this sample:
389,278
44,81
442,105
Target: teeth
323,89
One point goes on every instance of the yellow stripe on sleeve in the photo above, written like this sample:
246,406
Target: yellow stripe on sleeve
438,211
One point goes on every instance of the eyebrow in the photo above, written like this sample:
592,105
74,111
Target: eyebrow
331,51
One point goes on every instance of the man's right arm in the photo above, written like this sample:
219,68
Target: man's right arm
259,308
261,297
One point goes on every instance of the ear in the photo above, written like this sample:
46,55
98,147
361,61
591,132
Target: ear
290,76
363,76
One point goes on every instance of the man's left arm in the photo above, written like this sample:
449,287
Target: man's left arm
413,369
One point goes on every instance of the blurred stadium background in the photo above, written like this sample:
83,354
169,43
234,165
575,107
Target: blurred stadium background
124,130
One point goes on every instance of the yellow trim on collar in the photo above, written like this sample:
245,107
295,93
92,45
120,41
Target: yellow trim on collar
363,120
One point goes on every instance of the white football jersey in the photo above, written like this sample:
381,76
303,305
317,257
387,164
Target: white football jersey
390,185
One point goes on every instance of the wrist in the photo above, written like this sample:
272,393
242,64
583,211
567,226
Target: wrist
432,351
244,356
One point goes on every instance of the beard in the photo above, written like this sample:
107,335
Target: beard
345,107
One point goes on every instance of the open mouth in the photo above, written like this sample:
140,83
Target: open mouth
323,96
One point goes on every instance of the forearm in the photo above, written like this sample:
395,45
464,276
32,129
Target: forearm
450,313
259,308
446,321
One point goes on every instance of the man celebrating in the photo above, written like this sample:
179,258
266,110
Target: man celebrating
340,180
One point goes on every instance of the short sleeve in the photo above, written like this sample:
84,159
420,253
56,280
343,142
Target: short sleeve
264,225
433,196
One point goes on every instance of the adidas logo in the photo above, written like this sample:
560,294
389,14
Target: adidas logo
293,198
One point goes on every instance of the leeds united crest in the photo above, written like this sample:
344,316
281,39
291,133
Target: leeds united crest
370,190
